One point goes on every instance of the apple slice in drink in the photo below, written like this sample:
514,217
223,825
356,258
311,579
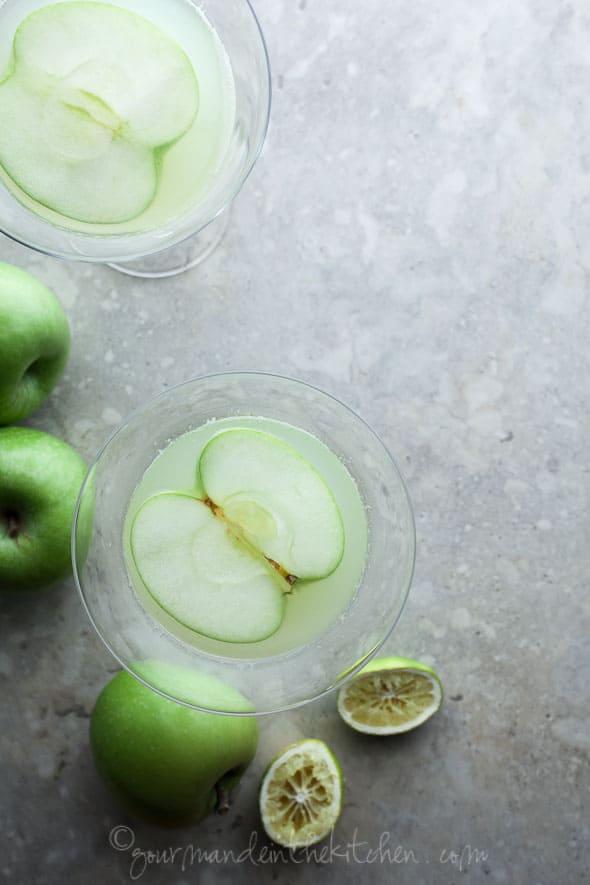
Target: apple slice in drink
281,503
93,96
223,566
201,574
112,184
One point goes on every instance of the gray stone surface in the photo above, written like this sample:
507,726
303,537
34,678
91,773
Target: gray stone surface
414,240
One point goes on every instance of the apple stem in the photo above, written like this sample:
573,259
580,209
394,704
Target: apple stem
13,526
223,799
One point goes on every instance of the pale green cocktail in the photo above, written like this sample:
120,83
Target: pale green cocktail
310,606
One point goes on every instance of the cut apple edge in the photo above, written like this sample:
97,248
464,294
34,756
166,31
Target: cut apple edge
203,632
342,546
284,580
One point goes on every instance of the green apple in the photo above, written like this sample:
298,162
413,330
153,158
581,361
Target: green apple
34,343
166,762
223,565
40,478
94,96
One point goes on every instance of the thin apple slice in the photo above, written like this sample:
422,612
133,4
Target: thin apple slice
143,75
73,166
281,503
201,574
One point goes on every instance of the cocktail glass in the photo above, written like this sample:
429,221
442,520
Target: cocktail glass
275,682
187,240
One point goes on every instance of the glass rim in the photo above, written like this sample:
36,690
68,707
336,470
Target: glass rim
136,413
124,238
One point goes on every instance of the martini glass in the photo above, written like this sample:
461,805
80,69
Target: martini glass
272,682
187,239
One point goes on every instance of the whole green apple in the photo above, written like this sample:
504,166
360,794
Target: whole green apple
165,762
40,478
34,343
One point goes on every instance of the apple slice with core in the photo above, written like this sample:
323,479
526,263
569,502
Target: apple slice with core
93,95
204,575
281,503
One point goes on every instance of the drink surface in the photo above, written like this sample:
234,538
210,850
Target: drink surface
186,166
313,606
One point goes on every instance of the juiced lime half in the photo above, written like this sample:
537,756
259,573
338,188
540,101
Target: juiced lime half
301,794
390,696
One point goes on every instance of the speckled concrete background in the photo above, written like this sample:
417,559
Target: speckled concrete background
414,240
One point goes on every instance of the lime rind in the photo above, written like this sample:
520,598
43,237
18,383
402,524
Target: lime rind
301,795
390,696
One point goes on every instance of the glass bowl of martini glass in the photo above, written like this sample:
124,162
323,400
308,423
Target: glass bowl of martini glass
128,127
248,528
